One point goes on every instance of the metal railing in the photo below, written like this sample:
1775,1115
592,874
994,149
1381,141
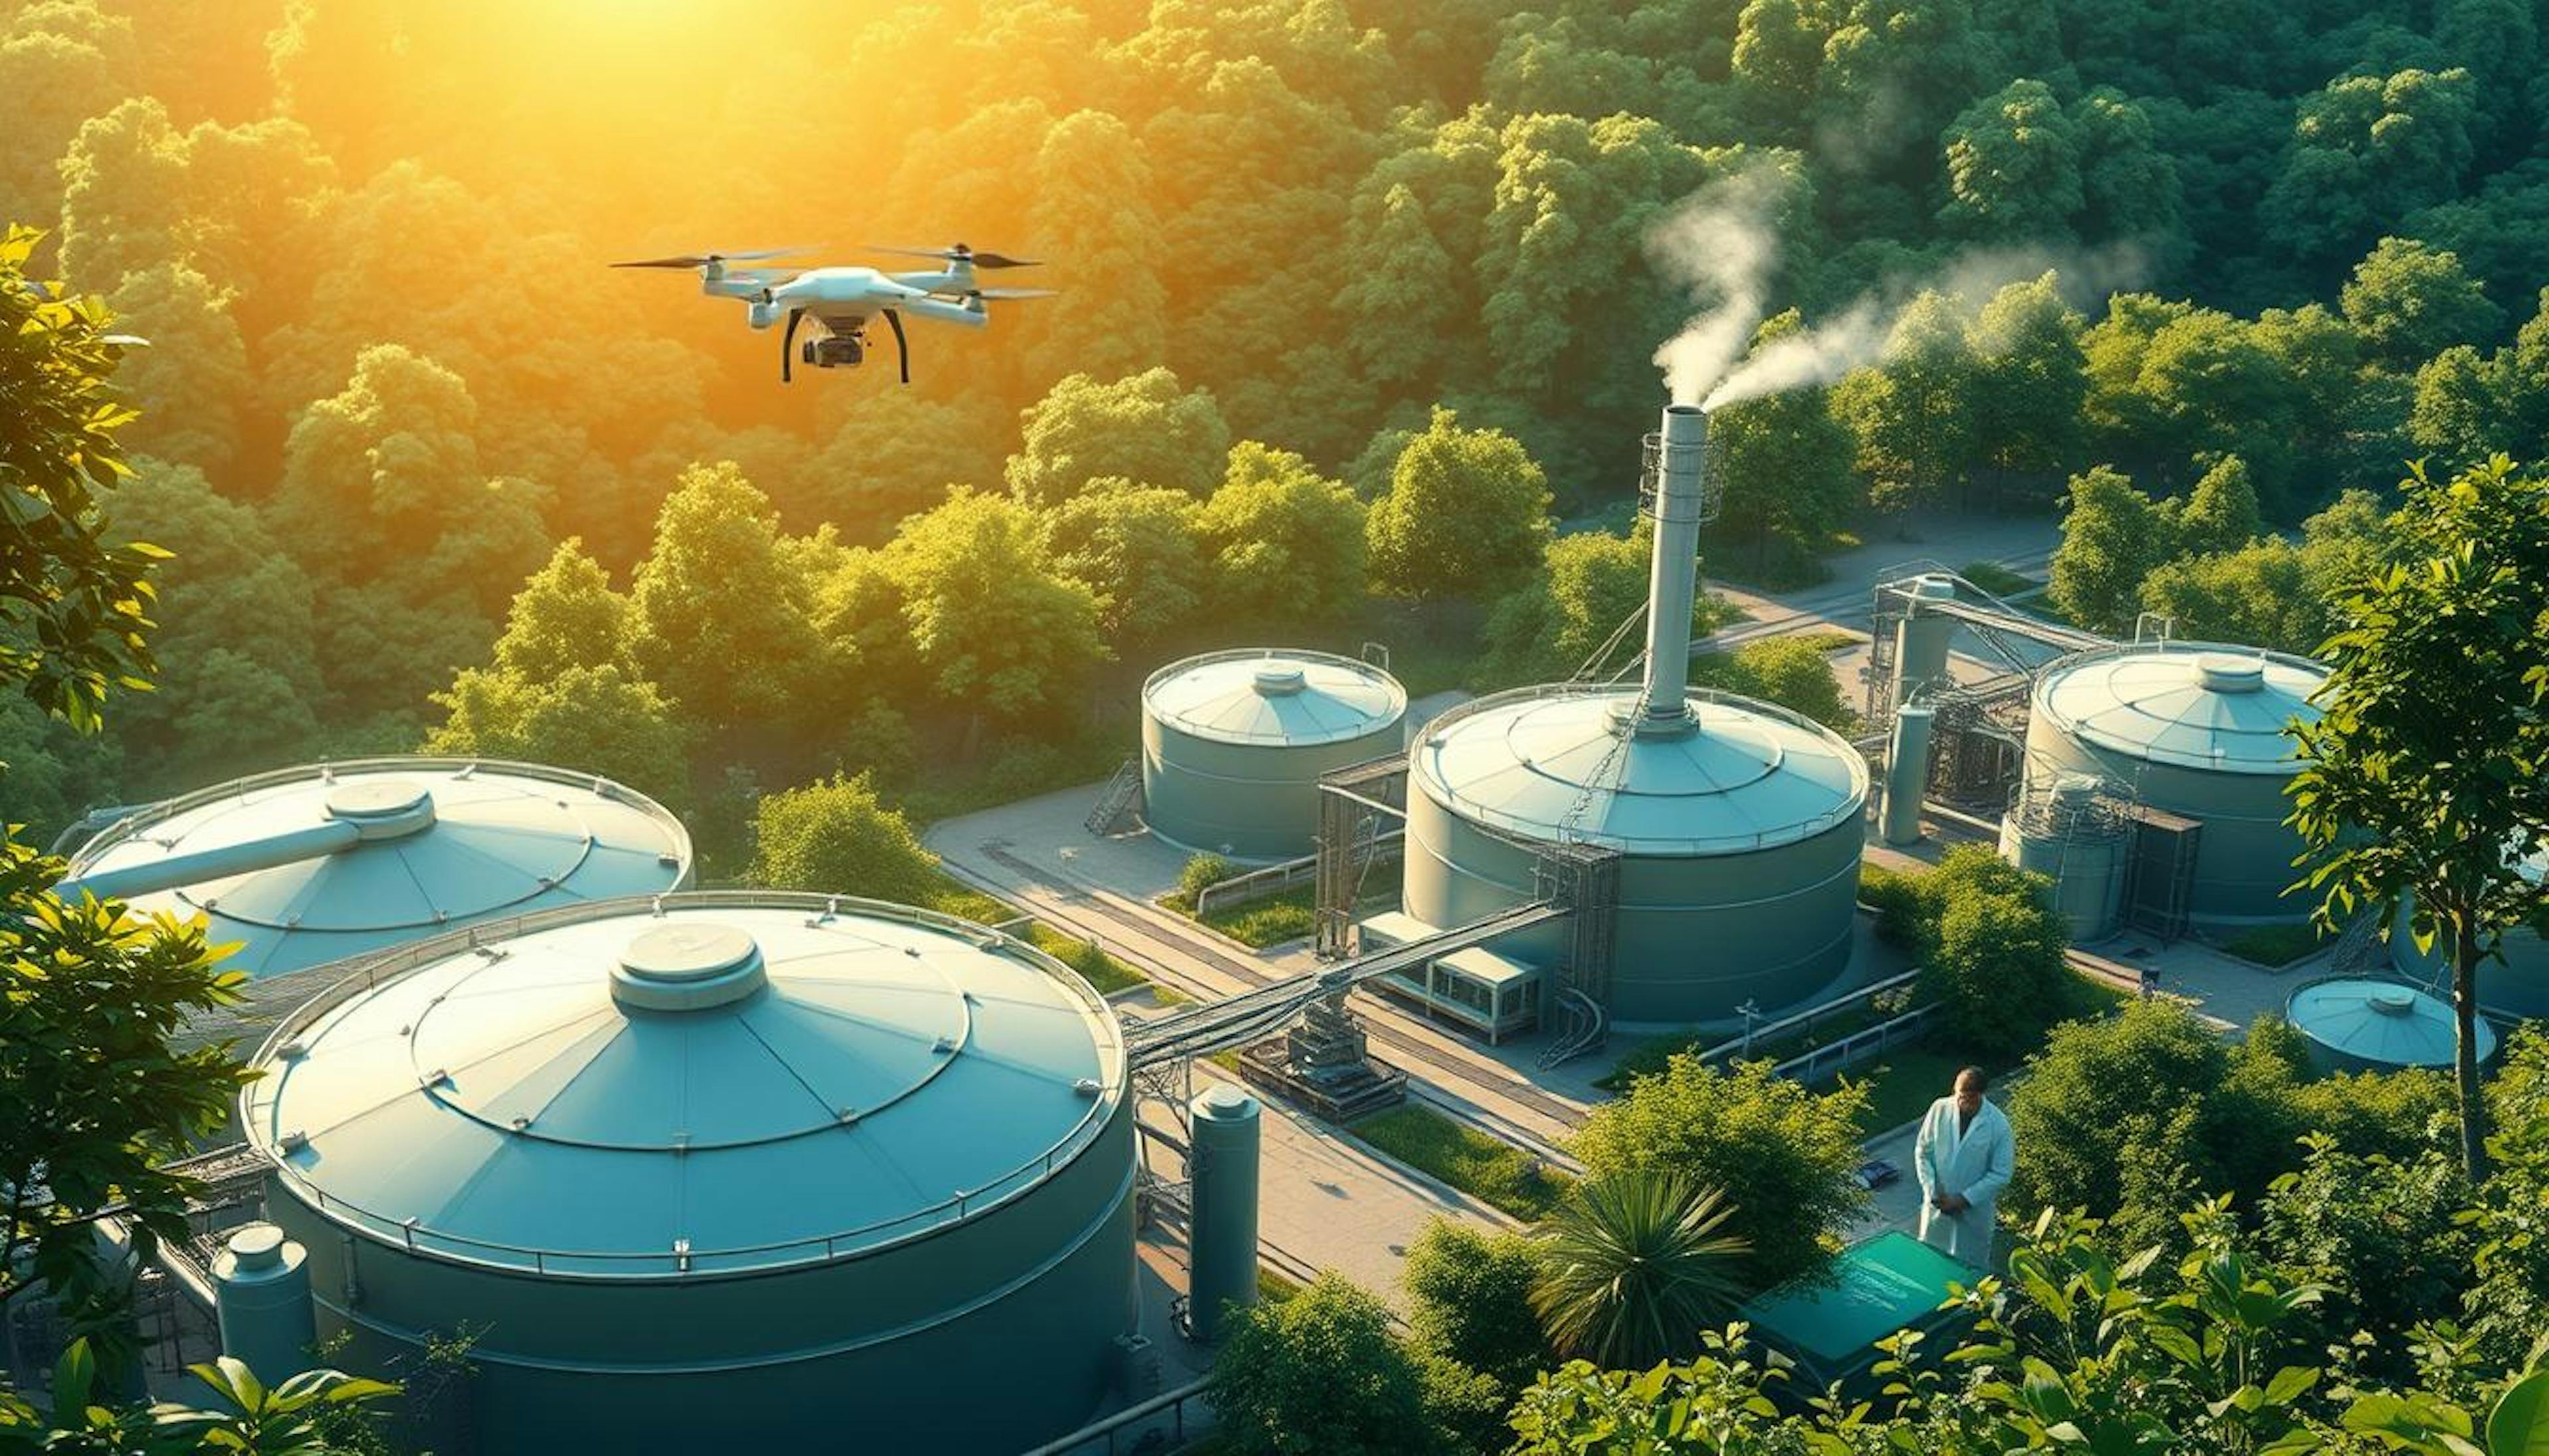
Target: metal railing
1356,666
1808,1019
677,1263
1258,884
1164,1412
1817,1063
148,815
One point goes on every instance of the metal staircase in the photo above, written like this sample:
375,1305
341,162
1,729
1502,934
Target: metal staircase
1119,805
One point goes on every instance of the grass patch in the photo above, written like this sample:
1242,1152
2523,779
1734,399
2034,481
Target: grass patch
1903,1085
1274,1288
1996,579
1493,1171
1226,1061
954,897
1270,921
1098,969
2275,946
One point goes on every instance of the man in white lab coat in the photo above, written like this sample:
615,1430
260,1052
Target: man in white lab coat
1964,1156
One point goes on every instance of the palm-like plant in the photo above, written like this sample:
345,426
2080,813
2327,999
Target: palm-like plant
1633,1268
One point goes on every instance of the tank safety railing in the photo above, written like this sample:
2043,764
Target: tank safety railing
1808,1019
144,816
676,1263
1817,1063
1274,879
1127,1430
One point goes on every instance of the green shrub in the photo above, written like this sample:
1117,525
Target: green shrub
1201,874
1901,900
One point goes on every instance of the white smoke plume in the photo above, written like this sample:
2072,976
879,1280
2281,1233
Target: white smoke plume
1857,334
1720,245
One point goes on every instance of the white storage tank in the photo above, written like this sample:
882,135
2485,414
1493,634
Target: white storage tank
2357,1025
2194,729
312,866
1233,744
735,1171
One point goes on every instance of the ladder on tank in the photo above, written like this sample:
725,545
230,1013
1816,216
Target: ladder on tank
1119,802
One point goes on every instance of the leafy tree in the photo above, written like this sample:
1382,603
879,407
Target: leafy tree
1466,516
1286,543
1094,205
2220,513
60,64
2410,302
2259,593
2013,166
2111,538
1634,1265
2030,380
896,455
240,689
73,601
2366,148
1912,413
1996,961
2130,187
193,381
566,616
2386,1264
1143,427
1319,1374
1792,671
1136,547
715,619
992,624
833,837
2461,405
1792,1150
595,719
1469,1295
2429,773
1550,626
1785,463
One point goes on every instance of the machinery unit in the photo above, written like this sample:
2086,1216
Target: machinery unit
719,1171
2357,1025
1736,824
1233,744
2197,731
261,1301
312,866
2076,834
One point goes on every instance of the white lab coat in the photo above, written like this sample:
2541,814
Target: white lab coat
1975,1164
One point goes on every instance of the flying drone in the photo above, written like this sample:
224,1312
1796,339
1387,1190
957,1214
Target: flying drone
842,301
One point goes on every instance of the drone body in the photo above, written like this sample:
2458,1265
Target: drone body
843,301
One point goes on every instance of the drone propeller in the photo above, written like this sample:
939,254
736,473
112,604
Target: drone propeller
702,260
960,254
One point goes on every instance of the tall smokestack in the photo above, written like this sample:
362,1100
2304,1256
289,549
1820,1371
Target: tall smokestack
1680,508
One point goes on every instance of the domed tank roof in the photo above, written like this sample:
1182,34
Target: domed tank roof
2193,705
728,1081
2380,1022
434,844
1275,697
1562,763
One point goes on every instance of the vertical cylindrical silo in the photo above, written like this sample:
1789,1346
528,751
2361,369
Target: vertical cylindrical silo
1921,639
2197,730
1222,1259
1233,744
1907,774
2075,837
261,1298
1738,825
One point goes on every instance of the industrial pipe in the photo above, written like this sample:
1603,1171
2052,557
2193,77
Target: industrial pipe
1680,464
220,862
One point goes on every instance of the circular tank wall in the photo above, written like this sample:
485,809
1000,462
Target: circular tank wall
760,1171
1739,840
2375,1026
1233,744
429,845
2196,730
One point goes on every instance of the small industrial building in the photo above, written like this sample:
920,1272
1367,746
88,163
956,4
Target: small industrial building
735,1171
1233,744
317,865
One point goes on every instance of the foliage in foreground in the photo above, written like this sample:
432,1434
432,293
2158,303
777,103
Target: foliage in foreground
2077,1348
1632,1262
247,1418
